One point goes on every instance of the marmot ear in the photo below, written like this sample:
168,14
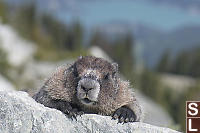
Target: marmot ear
115,76
80,57
115,70
115,67
72,68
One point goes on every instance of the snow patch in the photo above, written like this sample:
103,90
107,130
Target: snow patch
5,84
19,50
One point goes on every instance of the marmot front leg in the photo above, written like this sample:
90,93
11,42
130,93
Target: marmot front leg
128,113
64,106
68,109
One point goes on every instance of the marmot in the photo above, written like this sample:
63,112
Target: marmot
90,85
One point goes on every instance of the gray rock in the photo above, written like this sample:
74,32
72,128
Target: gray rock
19,113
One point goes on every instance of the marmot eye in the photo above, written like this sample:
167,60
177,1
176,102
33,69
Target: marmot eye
83,87
106,76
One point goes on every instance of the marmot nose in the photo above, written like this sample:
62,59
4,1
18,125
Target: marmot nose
87,84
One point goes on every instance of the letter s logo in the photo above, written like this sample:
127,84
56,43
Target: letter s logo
193,108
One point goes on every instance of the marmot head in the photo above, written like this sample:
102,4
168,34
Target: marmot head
95,76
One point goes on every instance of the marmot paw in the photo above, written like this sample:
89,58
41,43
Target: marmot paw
74,113
124,115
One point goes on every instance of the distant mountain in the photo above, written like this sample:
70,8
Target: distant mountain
74,5
180,3
154,41
192,6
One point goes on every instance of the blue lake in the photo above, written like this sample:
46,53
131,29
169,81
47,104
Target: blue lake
96,12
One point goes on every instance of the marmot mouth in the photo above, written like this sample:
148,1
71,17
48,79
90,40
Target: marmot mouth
86,100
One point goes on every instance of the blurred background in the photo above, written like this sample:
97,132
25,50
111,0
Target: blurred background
155,42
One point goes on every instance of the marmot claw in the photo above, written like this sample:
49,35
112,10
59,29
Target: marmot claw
74,113
124,115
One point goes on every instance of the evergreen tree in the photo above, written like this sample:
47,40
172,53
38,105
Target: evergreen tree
164,63
3,11
24,19
195,64
181,64
98,39
77,35
123,53
56,31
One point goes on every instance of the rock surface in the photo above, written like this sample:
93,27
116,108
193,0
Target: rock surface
19,113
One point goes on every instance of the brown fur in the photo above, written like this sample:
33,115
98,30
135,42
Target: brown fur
113,94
